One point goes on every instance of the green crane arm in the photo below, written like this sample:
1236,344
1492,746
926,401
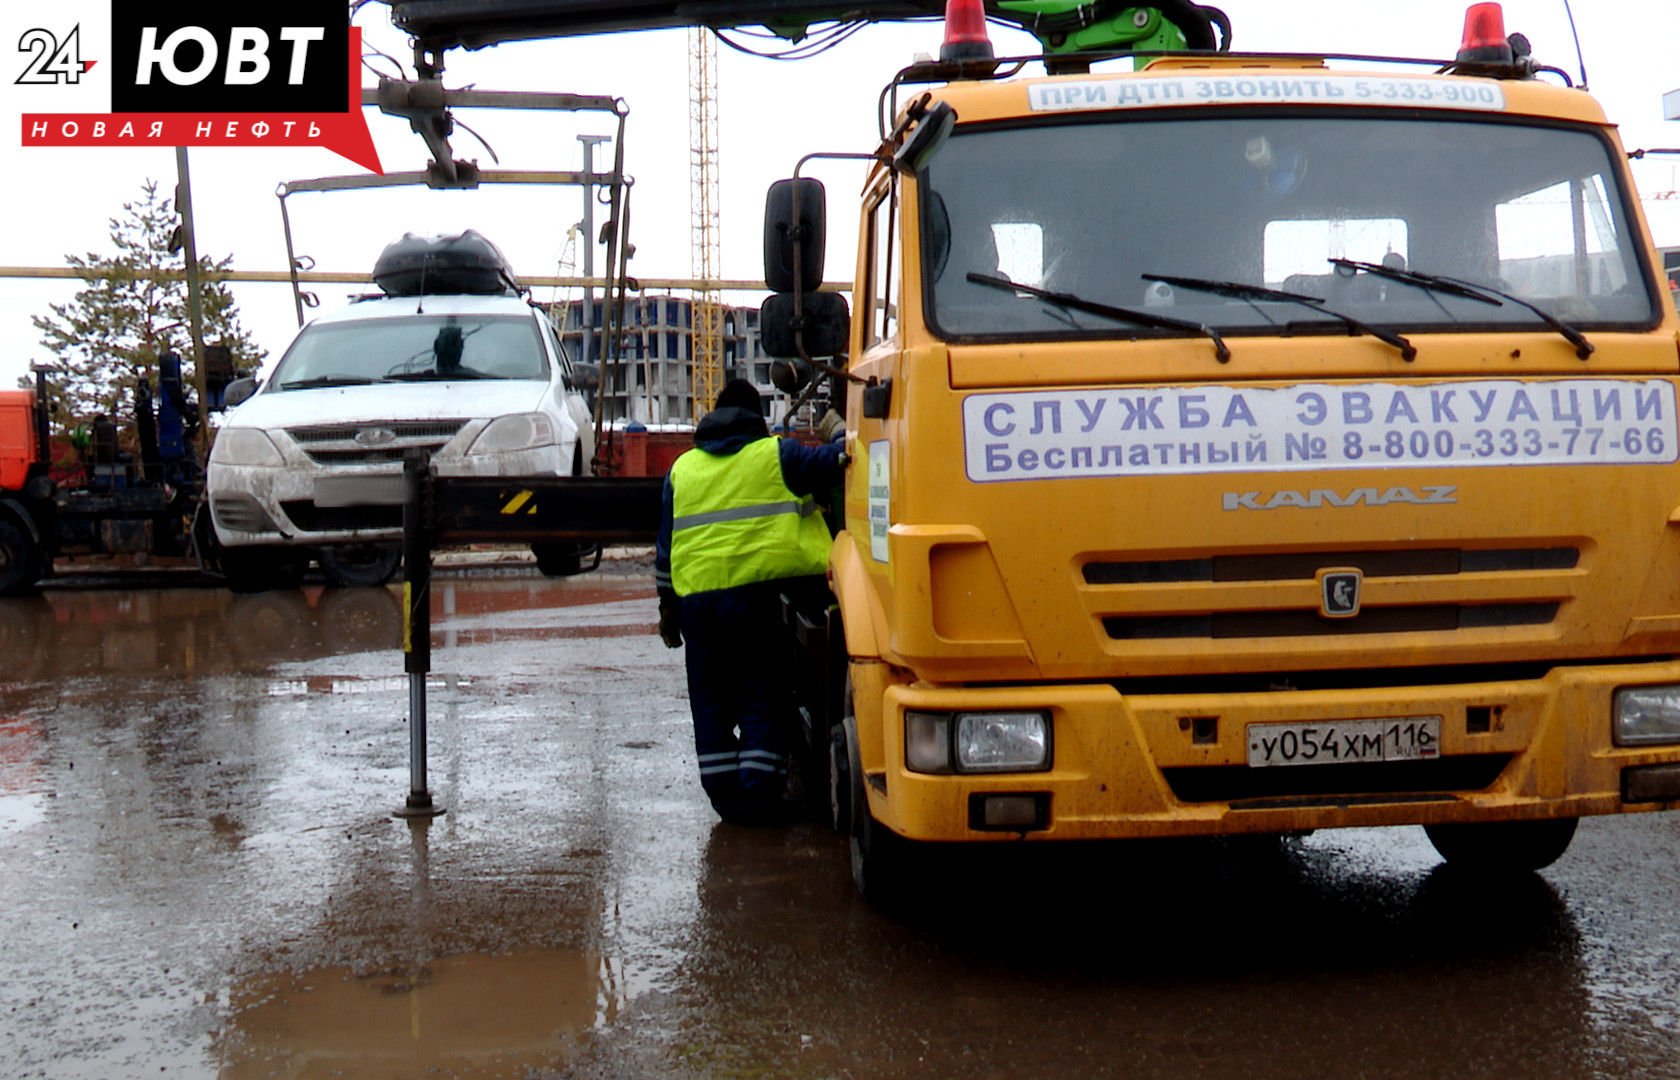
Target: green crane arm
1062,26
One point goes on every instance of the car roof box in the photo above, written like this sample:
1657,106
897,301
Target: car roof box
425,265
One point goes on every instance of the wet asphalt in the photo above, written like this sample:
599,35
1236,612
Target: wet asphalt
201,876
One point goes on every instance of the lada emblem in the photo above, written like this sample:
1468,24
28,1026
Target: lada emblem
375,436
1339,593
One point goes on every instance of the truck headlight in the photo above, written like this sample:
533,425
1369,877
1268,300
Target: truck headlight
977,742
521,431
244,446
1647,715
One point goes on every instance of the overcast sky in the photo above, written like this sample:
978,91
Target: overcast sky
59,201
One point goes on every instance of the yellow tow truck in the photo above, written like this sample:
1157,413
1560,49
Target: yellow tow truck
1244,444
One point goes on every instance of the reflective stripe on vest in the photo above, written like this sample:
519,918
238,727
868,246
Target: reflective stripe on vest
734,521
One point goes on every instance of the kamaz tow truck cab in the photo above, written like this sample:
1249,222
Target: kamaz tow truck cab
1250,445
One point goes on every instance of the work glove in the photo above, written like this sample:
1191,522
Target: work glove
832,426
670,622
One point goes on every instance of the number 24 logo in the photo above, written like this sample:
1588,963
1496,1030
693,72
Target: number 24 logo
52,62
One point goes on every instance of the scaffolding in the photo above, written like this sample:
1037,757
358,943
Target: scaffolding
654,382
705,259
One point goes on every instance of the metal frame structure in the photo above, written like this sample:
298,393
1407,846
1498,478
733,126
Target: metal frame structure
465,510
426,105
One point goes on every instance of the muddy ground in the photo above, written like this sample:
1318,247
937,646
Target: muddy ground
201,876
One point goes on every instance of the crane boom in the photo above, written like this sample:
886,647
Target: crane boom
473,24
439,25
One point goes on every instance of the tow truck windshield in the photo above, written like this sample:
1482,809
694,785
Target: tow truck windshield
1194,218
441,347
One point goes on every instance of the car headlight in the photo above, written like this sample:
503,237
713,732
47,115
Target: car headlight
521,431
244,446
977,742
1647,715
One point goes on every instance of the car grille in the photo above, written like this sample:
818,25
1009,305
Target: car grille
1128,619
307,517
336,445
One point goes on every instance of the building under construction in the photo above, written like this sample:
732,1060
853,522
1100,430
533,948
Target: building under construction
655,382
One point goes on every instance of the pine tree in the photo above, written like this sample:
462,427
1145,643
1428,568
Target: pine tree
110,335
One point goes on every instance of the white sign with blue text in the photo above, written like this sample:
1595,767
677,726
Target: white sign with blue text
1165,430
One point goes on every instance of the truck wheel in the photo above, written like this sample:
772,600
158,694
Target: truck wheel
257,569
20,561
880,857
839,782
360,565
1503,845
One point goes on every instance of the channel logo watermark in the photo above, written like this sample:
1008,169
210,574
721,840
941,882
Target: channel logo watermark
108,73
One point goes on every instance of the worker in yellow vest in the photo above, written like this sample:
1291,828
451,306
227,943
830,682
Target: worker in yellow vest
740,526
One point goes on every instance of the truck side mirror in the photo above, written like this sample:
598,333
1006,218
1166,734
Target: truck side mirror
781,230
931,132
790,376
826,322
239,390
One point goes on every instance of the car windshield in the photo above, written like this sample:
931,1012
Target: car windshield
416,348
1196,217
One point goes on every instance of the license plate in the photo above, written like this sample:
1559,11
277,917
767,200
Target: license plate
382,490
1332,742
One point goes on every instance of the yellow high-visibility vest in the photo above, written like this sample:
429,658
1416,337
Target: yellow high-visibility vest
734,521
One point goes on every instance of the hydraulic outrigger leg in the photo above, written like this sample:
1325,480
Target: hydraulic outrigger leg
417,626
497,509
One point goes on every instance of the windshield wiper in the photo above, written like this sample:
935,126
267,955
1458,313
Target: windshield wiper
1108,311
326,380
436,376
1236,290
1469,290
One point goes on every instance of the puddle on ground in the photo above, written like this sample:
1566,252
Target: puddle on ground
495,1016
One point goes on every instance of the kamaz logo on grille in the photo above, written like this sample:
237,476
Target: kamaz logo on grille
1309,500
1339,593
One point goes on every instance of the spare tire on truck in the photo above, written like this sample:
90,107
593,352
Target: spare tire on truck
463,263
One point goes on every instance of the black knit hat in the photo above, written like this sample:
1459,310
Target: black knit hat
741,394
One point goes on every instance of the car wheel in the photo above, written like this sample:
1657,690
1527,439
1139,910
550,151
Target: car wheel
1503,846
561,559
360,620
360,565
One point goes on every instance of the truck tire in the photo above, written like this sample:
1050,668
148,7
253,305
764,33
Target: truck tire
1503,846
360,565
839,782
20,559
258,569
880,857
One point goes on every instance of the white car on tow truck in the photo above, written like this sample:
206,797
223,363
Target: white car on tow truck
309,463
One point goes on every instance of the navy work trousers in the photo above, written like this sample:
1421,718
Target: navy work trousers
741,686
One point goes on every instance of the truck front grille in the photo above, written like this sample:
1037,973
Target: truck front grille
1129,589
1303,565
372,442
1239,783
1297,623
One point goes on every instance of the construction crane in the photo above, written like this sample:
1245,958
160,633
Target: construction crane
706,330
